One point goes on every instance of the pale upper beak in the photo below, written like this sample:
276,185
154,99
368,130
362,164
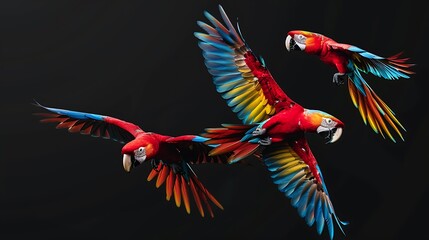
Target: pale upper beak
330,134
139,157
336,134
287,42
127,163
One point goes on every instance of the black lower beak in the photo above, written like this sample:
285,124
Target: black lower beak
293,45
328,135
332,135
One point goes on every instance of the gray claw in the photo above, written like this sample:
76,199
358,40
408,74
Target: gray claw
339,78
259,131
266,141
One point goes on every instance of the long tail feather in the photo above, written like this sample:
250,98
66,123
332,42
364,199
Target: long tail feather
180,181
196,198
235,139
185,195
169,185
207,193
177,192
207,204
162,176
374,110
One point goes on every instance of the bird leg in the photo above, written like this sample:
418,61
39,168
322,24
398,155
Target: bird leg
265,141
339,78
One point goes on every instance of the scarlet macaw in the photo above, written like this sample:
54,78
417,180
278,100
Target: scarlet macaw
170,157
350,61
274,125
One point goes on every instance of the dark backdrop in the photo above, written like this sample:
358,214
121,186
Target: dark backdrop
140,62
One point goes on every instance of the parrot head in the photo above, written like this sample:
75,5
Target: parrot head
139,150
322,123
304,41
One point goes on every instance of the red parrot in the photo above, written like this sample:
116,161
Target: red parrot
170,157
274,125
350,61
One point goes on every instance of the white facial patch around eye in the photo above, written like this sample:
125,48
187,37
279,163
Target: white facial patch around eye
140,154
300,38
329,123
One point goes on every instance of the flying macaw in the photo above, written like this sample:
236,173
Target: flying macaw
350,61
274,126
170,157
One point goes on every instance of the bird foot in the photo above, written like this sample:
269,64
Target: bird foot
265,142
339,78
259,131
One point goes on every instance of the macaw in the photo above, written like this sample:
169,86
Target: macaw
170,157
273,125
350,61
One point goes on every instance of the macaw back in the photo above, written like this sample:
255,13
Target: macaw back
320,46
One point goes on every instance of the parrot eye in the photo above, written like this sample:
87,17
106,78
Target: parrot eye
328,122
141,149
300,38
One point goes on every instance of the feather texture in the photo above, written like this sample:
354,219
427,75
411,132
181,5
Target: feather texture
240,78
307,192
374,111
180,183
90,124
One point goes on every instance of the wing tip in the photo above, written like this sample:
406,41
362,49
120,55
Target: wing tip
37,104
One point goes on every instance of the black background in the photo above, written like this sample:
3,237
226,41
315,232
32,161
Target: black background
140,62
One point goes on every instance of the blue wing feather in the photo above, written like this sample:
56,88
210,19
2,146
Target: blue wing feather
74,114
225,54
388,68
296,181
88,124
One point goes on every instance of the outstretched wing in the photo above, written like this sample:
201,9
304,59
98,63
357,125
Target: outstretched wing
295,171
241,78
91,124
390,68
180,180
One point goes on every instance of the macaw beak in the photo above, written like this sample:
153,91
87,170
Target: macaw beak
291,44
330,134
288,42
127,162
139,157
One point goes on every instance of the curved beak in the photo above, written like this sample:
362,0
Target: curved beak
330,134
288,42
139,157
127,163
292,44
336,134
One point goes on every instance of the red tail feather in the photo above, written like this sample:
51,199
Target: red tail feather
177,191
196,198
185,195
169,185
162,175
